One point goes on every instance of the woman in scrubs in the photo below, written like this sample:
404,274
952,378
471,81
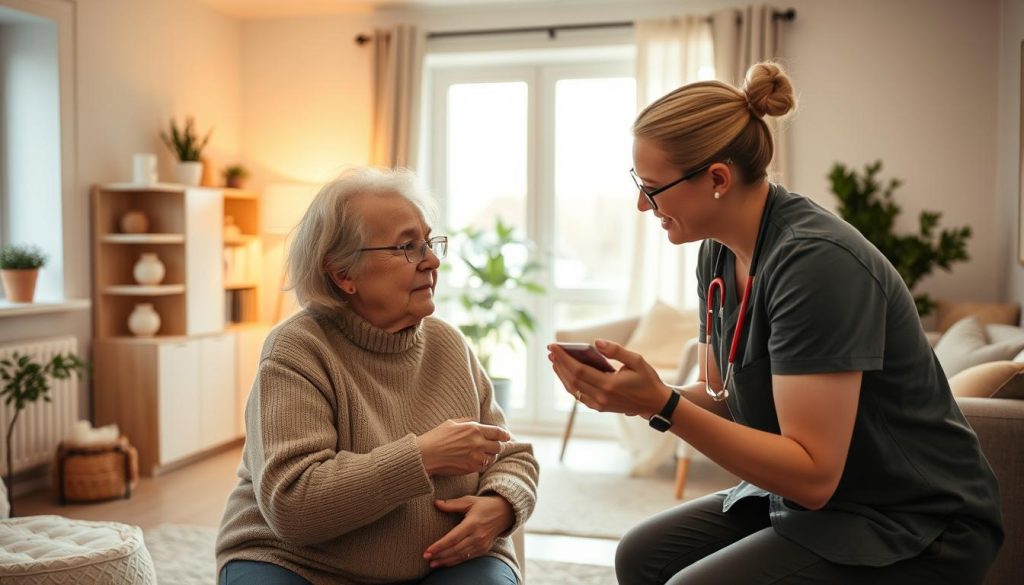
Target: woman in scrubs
816,386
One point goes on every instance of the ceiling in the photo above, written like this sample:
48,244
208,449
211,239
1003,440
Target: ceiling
257,9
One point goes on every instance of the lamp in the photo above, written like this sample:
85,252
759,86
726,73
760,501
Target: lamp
284,204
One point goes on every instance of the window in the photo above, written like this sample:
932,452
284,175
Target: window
36,132
545,144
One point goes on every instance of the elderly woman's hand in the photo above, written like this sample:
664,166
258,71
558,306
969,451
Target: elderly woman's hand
486,518
457,447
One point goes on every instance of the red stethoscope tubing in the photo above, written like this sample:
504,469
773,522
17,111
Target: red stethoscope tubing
718,284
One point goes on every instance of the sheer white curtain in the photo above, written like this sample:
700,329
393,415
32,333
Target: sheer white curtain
397,71
670,53
742,37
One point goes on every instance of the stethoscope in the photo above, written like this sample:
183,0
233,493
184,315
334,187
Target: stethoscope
718,284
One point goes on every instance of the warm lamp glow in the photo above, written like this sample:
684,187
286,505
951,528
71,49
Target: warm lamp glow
284,205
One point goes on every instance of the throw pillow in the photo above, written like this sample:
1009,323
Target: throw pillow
966,344
661,334
1001,379
949,312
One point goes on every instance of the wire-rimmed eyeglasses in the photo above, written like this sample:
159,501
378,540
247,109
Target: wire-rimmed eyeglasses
649,194
416,251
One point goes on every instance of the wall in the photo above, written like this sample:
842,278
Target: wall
1009,158
912,83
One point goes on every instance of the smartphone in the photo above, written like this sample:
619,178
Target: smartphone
587,354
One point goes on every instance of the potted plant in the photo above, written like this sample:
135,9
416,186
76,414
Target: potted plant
19,269
187,146
234,176
498,268
868,206
25,382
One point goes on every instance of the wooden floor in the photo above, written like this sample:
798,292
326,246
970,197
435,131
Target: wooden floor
196,495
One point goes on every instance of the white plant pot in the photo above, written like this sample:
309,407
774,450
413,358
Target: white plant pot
189,173
144,320
148,270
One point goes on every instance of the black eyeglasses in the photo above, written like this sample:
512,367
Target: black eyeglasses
651,193
415,252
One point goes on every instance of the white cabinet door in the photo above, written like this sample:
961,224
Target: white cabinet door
217,390
178,390
250,345
204,274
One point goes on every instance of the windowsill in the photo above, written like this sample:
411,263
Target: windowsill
8,309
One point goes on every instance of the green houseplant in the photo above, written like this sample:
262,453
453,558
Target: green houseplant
868,205
19,269
498,268
234,176
25,381
188,148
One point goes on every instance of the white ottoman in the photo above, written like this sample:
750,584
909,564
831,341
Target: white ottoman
53,550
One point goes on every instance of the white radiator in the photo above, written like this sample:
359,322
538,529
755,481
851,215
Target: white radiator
42,425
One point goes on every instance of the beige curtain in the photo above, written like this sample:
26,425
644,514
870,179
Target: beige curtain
669,53
397,72
742,37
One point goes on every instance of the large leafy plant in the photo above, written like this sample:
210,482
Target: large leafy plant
498,268
25,382
868,205
184,142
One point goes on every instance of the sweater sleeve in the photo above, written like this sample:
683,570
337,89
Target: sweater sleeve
515,472
306,490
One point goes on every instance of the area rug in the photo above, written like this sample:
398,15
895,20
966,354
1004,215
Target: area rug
606,505
183,555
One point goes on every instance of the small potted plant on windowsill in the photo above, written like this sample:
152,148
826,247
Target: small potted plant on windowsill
498,267
235,176
19,269
187,146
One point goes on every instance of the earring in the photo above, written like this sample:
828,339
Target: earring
718,195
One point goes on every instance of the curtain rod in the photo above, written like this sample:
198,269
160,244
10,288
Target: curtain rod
787,15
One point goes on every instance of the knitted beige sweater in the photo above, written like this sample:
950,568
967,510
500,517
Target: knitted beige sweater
331,484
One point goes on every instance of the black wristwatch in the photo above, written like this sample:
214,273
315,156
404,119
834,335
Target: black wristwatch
663,420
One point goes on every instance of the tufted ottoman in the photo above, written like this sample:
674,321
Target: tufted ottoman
53,550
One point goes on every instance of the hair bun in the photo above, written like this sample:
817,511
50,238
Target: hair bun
769,90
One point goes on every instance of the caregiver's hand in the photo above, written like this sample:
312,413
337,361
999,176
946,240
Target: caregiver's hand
484,519
634,389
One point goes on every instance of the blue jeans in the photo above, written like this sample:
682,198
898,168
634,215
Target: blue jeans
478,571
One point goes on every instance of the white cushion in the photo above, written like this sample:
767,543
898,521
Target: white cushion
37,550
967,344
661,334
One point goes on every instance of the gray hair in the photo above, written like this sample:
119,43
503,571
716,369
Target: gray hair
331,232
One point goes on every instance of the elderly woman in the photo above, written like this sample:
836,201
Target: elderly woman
375,452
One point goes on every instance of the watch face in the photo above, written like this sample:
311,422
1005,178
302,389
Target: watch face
660,423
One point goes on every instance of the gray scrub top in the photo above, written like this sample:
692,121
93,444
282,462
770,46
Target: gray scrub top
826,300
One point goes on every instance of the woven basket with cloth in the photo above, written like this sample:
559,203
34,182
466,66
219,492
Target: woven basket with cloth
95,472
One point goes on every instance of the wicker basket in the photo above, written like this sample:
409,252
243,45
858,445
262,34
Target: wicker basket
95,472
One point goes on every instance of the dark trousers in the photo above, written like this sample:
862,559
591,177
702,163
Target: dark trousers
697,544
478,571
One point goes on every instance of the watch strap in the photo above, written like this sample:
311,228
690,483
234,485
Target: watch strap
663,420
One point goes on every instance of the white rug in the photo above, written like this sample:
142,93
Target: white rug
606,505
183,555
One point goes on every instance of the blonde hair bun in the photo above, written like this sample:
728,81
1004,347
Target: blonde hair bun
769,90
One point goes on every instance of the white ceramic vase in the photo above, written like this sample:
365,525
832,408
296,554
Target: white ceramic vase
148,270
189,172
144,320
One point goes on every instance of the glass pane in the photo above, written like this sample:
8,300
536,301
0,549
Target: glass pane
486,170
595,200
